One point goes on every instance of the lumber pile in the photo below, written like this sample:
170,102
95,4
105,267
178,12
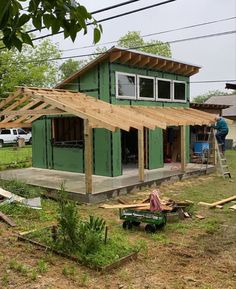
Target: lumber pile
168,205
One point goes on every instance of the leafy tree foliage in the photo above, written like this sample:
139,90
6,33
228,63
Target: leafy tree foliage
31,67
133,39
70,66
204,97
52,14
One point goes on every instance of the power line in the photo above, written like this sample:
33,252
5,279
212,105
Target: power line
156,33
100,10
110,18
137,47
212,81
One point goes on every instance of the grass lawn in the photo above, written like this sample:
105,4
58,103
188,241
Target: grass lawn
187,254
11,157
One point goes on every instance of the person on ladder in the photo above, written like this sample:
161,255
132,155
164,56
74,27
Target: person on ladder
221,132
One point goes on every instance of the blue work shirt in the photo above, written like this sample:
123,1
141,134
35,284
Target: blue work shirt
221,126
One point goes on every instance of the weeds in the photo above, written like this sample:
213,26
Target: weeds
69,271
42,266
5,280
18,267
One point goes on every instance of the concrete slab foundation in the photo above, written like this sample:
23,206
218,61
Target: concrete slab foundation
103,187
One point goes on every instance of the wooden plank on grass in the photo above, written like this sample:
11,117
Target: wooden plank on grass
222,202
7,220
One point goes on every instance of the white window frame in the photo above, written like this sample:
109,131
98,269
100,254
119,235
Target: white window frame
135,85
185,97
171,90
154,86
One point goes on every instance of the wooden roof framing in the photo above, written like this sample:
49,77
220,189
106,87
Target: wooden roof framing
27,104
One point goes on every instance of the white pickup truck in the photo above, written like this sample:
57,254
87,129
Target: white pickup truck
11,135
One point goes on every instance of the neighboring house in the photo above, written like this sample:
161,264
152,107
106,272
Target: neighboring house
228,113
119,77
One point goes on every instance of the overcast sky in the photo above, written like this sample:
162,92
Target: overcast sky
216,55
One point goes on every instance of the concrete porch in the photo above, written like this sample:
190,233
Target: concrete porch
103,187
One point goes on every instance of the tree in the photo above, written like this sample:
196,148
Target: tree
133,39
67,15
70,66
204,97
31,67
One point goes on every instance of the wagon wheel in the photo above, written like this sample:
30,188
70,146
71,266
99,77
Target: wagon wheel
127,225
149,228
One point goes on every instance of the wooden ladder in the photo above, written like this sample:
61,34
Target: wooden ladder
222,161
215,152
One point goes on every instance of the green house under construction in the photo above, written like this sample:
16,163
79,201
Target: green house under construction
154,87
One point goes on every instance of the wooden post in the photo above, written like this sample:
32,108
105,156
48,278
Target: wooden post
183,147
88,159
141,154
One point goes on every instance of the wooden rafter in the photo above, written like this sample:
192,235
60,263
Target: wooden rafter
32,103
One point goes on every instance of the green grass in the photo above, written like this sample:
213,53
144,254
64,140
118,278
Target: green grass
11,157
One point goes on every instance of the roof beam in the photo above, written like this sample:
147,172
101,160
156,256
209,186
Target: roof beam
125,57
10,98
115,56
14,124
144,61
135,60
33,112
66,107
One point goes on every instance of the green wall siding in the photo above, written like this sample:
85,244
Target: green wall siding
39,149
100,83
68,159
116,154
102,152
155,149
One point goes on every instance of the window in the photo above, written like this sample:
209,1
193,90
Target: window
5,131
163,89
179,91
68,132
125,85
14,132
21,131
146,87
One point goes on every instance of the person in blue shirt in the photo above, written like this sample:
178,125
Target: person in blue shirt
221,131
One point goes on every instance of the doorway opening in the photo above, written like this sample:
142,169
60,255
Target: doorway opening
172,144
129,147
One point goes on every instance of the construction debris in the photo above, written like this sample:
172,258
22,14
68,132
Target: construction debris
167,205
7,220
200,217
218,203
233,208
34,203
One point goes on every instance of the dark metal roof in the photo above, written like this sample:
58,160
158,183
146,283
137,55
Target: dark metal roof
225,100
208,105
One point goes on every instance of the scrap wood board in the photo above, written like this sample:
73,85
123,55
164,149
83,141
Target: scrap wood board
7,220
218,203
141,206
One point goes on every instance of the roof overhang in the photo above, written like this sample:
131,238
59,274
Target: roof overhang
138,59
27,104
